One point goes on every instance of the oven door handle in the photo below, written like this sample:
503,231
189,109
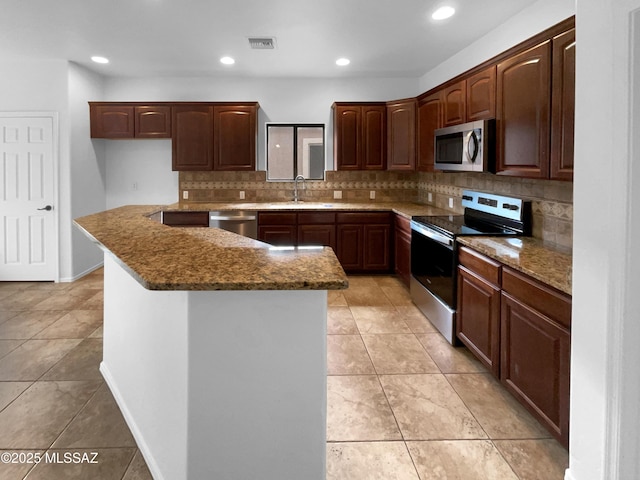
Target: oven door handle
433,235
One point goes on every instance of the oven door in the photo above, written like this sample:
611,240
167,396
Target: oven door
432,263
432,278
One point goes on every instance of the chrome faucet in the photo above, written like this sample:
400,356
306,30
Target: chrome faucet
296,197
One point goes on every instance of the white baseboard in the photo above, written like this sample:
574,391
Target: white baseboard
80,275
137,435
567,475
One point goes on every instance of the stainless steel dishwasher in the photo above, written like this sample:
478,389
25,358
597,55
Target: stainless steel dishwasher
242,222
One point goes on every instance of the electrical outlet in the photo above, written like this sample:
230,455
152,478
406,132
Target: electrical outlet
372,194
429,197
450,202
337,194
241,194
185,195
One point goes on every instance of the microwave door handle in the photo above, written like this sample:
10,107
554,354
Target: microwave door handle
472,137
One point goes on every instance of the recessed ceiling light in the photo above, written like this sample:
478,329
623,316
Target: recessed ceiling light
443,12
100,59
227,60
342,62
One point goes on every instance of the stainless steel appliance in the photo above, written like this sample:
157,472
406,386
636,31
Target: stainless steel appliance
242,222
433,255
467,147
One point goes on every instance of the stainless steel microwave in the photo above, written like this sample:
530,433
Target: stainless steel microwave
468,147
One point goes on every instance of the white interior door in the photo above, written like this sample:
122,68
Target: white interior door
28,241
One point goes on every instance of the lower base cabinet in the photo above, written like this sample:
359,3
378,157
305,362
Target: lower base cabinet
520,329
278,229
402,249
536,350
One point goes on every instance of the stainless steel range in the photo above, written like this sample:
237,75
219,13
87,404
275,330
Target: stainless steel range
433,253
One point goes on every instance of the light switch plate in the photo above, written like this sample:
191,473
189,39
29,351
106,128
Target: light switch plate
429,197
185,195
241,194
450,202
372,194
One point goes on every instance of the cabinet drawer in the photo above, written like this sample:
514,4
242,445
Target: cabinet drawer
186,219
543,298
366,217
316,218
479,264
279,218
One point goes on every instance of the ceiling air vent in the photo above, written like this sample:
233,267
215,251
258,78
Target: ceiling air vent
262,43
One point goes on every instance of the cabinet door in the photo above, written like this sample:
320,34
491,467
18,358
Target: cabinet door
317,235
454,104
111,121
535,364
522,113
373,136
402,249
478,318
346,138
234,137
153,122
350,241
377,248
429,119
192,134
563,105
481,95
401,136
278,235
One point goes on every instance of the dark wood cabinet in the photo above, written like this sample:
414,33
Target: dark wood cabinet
192,146
478,313
563,105
111,121
360,136
523,113
364,241
429,120
536,349
278,228
402,249
317,228
401,135
481,95
234,137
152,121
454,101
130,120
185,219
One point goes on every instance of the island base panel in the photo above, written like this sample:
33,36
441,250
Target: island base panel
219,384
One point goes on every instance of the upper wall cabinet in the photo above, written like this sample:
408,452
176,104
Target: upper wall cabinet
234,137
523,113
214,137
192,146
454,102
563,105
481,95
112,120
401,135
359,132
429,119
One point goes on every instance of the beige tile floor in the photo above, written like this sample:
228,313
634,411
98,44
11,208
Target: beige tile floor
402,403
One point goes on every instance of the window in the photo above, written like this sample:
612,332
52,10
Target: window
295,149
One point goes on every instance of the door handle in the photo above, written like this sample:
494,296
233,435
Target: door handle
48,208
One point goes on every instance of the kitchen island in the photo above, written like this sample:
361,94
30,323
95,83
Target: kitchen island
215,347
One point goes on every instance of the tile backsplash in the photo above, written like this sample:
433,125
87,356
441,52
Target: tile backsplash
552,201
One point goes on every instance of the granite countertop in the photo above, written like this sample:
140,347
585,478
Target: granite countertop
160,257
545,262
406,209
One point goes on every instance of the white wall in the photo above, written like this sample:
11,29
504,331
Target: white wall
605,422
529,22
86,166
41,85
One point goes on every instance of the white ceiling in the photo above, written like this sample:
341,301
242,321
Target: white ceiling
385,38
